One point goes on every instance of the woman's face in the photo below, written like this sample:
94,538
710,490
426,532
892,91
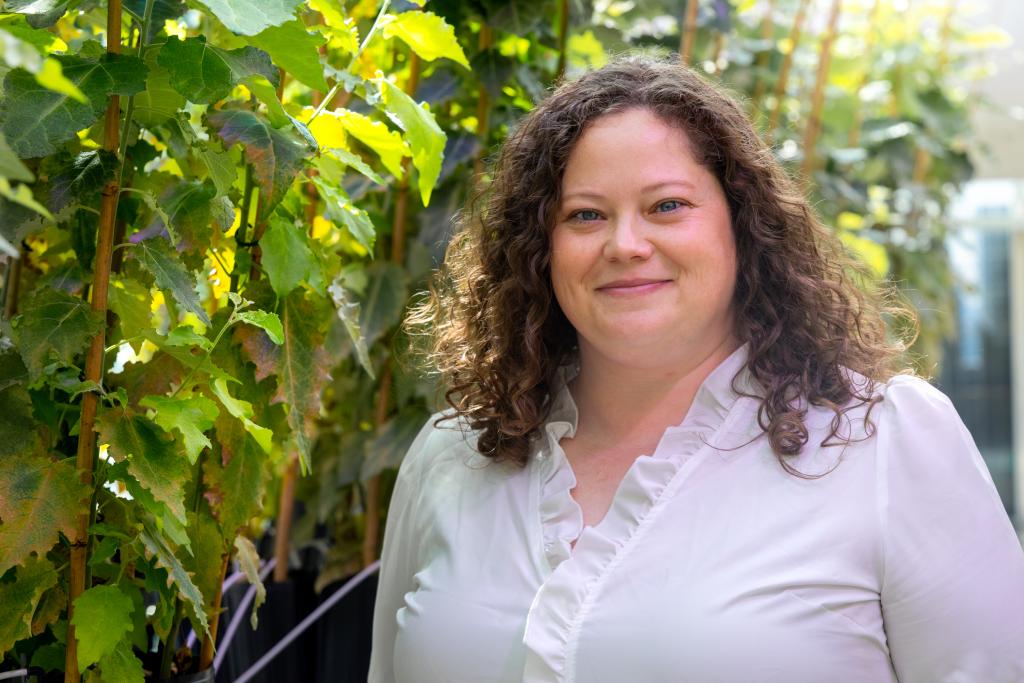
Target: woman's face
643,259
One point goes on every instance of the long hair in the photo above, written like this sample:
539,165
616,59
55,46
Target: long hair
497,335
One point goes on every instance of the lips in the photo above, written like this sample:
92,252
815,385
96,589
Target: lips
632,287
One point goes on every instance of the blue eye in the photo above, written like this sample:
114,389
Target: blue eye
672,205
585,215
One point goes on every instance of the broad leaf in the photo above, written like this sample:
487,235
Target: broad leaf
54,326
162,553
131,301
249,18
185,335
18,600
205,73
11,166
347,158
208,548
302,370
17,424
295,50
266,93
259,348
39,498
268,322
51,607
39,13
388,144
170,274
341,210
102,617
425,137
427,34
159,102
276,155
153,457
122,665
81,179
191,416
384,300
193,209
249,562
287,258
236,483
36,121
348,313
242,411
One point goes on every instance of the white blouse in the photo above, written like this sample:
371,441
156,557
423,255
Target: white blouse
712,563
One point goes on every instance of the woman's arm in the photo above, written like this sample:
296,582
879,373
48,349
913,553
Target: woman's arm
953,583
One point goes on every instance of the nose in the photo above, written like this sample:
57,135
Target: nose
627,240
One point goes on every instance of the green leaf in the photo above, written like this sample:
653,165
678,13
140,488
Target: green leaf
302,370
131,301
267,94
102,617
21,194
295,50
81,179
348,312
18,600
39,498
269,322
159,102
222,168
343,211
427,34
38,12
204,73
198,362
11,166
236,483
249,562
185,335
158,549
17,424
54,326
193,208
384,300
425,137
249,18
191,416
153,457
36,121
347,158
170,275
122,665
388,144
242,411
205,561
276,155
287,257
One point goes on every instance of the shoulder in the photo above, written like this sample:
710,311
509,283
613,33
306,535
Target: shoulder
445,437
908,399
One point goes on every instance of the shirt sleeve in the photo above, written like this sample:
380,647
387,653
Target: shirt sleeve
953,581
397,560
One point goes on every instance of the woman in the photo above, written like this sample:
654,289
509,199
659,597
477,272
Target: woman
678,448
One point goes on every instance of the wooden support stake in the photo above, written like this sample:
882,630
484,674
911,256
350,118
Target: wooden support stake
813,128
787,64
688,35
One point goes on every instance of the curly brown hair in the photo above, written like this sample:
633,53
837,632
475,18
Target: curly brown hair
497,334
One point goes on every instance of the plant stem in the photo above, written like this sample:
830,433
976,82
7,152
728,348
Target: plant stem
787,64
230,321
168,654
689,32
86,456
818,99
352,62
563,33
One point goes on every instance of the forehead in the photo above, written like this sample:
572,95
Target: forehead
631,145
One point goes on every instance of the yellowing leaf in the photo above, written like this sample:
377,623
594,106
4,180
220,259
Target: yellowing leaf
242,411
871,253
427,34
847,220
51,76
328,131
388,144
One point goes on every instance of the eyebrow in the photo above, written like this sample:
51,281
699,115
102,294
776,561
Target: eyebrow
649,188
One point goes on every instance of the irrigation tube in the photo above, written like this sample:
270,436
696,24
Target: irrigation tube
306,623
17,673
236,618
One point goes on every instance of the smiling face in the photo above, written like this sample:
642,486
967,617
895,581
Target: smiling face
643,259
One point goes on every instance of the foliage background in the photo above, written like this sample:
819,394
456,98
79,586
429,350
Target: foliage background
274,195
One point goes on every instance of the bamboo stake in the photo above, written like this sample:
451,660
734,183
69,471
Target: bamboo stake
689,32
813,128
767,31
207,652
483,108
86,458
869,50
14,267
563,31
787,64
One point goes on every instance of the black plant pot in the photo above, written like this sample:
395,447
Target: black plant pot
198,677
